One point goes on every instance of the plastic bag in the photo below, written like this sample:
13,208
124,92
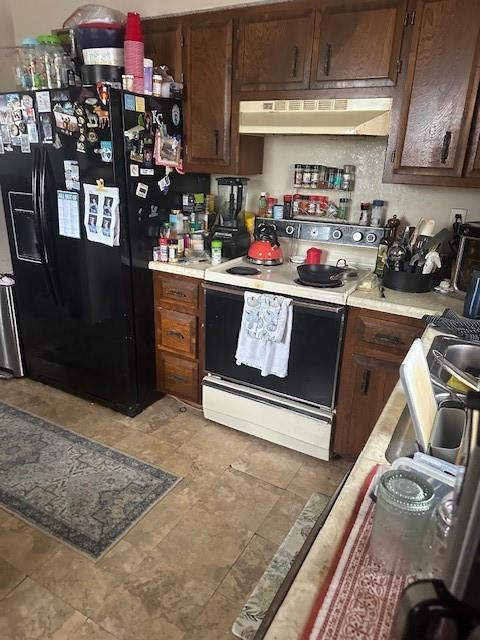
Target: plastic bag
89,13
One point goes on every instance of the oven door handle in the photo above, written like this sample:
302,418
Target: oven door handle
296,302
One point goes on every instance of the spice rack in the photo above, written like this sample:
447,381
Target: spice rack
322,178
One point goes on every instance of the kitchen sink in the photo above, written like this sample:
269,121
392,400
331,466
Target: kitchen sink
461,353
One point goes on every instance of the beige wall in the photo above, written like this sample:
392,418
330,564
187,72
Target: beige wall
368,155
50,14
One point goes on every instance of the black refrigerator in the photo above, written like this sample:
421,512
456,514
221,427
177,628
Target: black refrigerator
88,177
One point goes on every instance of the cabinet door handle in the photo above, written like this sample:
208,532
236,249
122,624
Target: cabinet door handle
328,58
216,137
294,61
175,334
365,382
176,379
177,294
447,138
382,337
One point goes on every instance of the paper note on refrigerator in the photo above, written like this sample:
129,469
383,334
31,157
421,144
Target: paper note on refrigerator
68,214
102,214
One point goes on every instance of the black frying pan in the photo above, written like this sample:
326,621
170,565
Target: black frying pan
322,273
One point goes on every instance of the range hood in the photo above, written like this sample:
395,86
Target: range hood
344,116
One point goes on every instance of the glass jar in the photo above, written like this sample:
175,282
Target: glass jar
348,177
307,176
314,177
173,251
364,214
343,208
296,204
378,213
436,541
405,501
298,177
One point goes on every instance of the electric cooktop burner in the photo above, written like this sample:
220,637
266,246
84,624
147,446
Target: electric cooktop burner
330,285
244,271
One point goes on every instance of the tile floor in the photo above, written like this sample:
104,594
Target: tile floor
185,570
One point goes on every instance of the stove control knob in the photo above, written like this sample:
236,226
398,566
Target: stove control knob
371,238
357,236
337,234
289,229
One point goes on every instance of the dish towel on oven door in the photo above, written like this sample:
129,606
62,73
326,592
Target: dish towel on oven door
265,333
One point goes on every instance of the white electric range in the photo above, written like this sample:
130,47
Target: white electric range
297,411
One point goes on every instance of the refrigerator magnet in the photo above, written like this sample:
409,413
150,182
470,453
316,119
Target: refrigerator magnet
164,183
142,190
106,150
140,104
147,172
134,170
43,102
25,143
129,102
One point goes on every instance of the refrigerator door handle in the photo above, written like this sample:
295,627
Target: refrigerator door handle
45,231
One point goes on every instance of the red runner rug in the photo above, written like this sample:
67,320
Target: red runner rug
357,600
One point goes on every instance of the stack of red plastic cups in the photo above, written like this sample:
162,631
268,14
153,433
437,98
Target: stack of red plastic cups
134,51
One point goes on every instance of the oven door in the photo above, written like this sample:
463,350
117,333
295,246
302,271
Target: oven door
315,348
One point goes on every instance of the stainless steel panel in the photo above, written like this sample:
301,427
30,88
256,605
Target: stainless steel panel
10,355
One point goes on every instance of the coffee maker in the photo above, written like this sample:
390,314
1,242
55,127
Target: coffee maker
229,226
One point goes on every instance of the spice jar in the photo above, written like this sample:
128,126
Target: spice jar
343,208
163,250
271,201
364,214
298,177
296,204
348,178
307,176
173,251
216,251
314,177
157,85
378,213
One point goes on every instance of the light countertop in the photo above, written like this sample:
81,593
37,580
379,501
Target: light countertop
190,269
413,305
292,616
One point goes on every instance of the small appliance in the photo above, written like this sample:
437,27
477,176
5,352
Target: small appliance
468,257
266,249
230,225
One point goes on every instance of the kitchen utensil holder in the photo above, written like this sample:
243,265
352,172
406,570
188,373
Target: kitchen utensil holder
447,433
406,281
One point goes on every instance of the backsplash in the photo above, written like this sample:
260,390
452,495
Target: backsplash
368,156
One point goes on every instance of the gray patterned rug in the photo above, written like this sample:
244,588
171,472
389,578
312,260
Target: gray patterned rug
252,614
84,493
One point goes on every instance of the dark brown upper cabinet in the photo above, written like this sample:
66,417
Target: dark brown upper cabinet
358,46
472,168
208,80
163,44
440,91
275,47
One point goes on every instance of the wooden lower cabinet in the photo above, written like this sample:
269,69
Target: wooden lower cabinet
375,345
177,325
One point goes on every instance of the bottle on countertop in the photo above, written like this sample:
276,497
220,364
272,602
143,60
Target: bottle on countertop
271,202
287,206
262,205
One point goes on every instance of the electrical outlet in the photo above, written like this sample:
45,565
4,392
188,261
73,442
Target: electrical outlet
458,212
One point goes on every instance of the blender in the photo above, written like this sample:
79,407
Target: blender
230,224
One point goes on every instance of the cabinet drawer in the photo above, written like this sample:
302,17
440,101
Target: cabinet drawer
176,376
385,335
177,331
175,289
